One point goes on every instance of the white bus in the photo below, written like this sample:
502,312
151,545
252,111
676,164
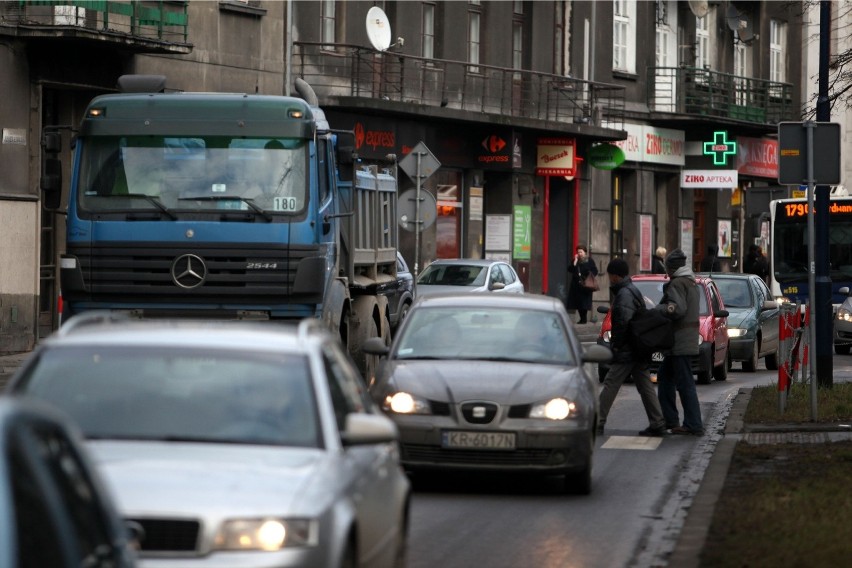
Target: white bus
788,250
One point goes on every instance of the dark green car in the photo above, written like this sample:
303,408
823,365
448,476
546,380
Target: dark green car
752,319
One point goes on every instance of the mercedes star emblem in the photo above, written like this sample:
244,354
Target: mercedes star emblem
189,271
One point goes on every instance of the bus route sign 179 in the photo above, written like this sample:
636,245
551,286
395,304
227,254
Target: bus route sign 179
793,153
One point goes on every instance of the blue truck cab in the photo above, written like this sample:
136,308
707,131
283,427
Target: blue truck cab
232,206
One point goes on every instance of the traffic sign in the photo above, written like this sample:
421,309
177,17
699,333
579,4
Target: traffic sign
429,164
793,153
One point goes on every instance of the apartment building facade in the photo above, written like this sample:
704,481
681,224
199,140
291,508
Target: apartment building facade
554,123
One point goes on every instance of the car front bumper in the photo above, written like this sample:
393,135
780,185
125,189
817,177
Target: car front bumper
741,349
539,448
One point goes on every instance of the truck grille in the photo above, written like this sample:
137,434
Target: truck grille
219,273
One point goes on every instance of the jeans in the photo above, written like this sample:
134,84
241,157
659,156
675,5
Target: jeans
675,374
615,377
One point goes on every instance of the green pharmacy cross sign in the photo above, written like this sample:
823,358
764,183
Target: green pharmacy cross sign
720,148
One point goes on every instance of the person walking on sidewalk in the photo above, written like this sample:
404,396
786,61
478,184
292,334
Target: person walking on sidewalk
627,299
658,263
580,297
680,303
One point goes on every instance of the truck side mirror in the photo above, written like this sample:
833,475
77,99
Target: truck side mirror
51,183
51,142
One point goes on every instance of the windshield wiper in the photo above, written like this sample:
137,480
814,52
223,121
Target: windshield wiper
149,198
262,212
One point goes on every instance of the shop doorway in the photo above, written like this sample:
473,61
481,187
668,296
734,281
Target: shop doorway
449,221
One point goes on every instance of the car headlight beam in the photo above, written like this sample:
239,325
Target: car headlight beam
844,315
553,409
405,403
265,534
736,332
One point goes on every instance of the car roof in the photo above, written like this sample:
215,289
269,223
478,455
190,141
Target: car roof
188,333
466,261
509,301
700,278
737,275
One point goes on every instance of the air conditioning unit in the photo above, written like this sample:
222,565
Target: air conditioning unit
69,16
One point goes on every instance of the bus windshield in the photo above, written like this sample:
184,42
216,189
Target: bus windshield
193,174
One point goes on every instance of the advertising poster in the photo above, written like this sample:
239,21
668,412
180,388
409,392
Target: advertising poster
498,234
522,236
645,253
686,239
724,239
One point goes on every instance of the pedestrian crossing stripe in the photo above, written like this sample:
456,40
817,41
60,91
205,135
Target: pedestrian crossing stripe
631,443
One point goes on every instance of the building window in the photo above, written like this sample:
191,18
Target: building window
742,71
473,35
777,51
702,42
328,31
518,7
624,35
428,50
517,47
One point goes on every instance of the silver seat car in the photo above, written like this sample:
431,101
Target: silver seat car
463,275
230,444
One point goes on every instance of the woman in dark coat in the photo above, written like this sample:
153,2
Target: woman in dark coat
580,298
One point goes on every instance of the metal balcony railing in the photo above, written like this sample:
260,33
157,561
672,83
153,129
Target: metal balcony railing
354,71
160,20
690,90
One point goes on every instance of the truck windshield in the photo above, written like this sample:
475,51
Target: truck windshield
193,174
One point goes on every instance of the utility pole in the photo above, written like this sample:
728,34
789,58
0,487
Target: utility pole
821,311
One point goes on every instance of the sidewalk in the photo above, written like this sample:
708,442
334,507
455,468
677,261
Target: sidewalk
9,364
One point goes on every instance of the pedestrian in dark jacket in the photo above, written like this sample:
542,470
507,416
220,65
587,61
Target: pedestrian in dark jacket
680,302
755,262
658,265
580,298
626,300
710,263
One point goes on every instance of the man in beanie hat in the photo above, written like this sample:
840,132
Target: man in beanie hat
680,303
626,300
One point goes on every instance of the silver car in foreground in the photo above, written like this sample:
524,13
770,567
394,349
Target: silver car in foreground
479,382
843,324
230,444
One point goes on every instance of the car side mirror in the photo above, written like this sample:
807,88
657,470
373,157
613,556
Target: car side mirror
603,309
363,428
721,313
375,346
497,286
769,305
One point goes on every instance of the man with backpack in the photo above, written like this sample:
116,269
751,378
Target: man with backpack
627,300
681,303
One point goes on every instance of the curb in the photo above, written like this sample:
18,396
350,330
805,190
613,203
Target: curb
693,535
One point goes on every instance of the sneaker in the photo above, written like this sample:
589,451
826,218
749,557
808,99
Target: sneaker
686,431
653,432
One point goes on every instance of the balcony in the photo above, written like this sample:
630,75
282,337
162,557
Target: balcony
721,97
151,27
361,77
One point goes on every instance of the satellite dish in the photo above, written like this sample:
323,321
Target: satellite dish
746,33
699,7
736,21
378,28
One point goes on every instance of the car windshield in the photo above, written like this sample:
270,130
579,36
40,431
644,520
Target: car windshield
183,174
453,275
735,293
485,333
653,292
161,393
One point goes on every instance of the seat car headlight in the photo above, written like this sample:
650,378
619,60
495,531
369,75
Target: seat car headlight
553,409
844,315
405,403
266,534
736,332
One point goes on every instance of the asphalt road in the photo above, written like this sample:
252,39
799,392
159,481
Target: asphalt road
642,490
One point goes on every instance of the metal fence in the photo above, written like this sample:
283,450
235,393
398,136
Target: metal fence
691,90
161,20
354,71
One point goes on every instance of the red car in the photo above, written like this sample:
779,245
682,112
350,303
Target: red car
713,360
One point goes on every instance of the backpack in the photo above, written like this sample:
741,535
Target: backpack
649,331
